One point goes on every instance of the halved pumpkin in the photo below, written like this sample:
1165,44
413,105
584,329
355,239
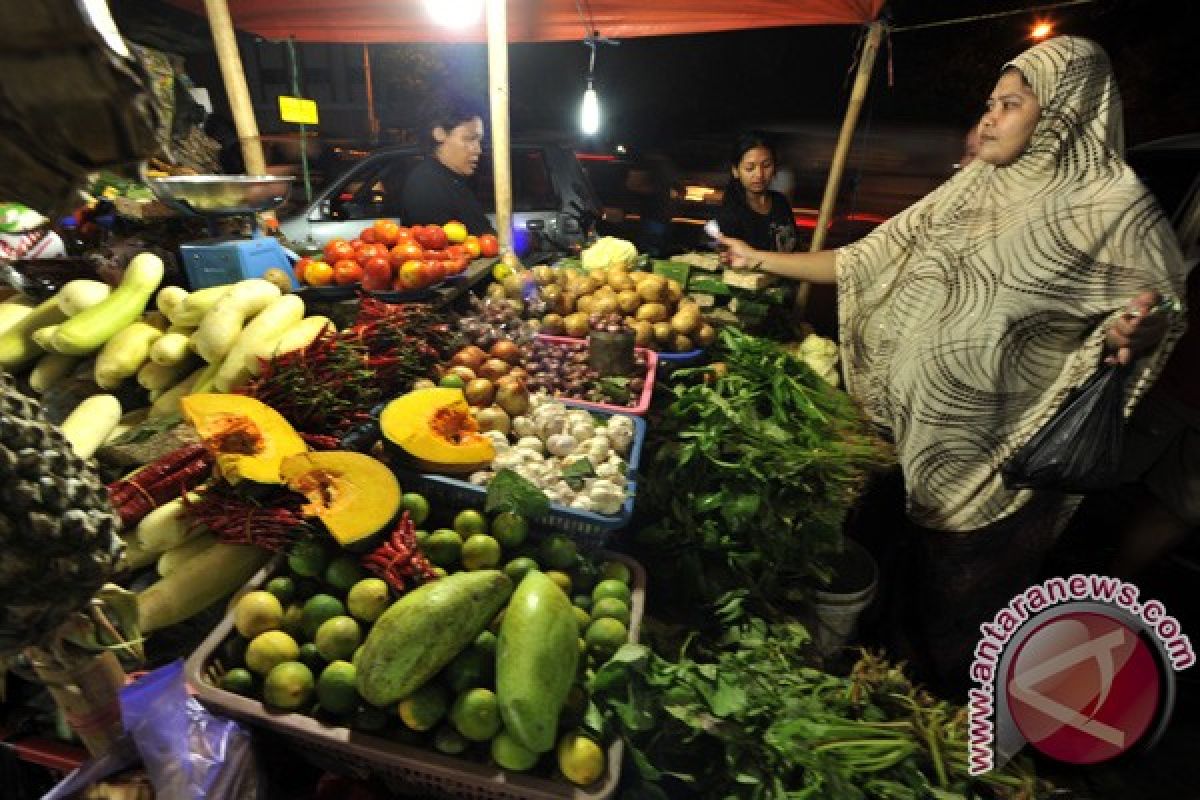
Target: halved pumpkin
248,438
356,497
435,429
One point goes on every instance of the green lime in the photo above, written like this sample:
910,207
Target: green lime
283,587
425,707
583,601
510,754
611,588
486,642
416,505
338,638
558,552
293,620
233,652
307,558
335,688
289,686
443,547
369,719
257,612
562,579
238,681
611,608
439,572
476,714
470,522
319,608
452,381
582,617
449,741
343,572
311,657
605,635
470,668
616,571
421,536
510,529
580,759
368,599
519,567
480,551
268,649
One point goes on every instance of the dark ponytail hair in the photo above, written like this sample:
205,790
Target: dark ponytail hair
746,141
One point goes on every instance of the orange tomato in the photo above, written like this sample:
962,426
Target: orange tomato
298,268
338,249
404,235
346,272
408,276
488,246
318,273
472,246
368,235
386,231
406,251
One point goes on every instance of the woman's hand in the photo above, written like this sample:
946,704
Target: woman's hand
1137,330
737,254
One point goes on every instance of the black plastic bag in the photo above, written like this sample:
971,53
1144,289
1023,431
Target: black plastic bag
1079,449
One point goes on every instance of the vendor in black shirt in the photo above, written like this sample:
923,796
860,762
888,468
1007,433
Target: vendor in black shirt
436,190
750,211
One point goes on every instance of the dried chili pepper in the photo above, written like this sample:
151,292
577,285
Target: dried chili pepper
399,561
159,482
271,522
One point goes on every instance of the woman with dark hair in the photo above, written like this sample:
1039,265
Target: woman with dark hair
436,190
750,211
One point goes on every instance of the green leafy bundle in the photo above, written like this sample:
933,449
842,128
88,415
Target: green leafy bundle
752,474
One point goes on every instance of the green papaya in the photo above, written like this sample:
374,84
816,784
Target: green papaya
536,657
422,631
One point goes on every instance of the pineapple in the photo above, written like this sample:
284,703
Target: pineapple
58,534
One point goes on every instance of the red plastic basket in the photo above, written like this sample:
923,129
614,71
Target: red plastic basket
643,402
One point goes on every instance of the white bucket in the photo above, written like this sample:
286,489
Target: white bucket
856,577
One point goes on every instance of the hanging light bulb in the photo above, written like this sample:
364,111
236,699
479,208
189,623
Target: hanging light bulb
455,13
589,112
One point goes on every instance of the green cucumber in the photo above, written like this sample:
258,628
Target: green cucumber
424,630
88,330
536,657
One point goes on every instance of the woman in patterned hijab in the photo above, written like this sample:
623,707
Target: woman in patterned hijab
966,319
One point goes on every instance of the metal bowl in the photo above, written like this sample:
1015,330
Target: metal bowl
222,194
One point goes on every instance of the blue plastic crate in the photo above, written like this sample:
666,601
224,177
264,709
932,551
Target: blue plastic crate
686,358
587,528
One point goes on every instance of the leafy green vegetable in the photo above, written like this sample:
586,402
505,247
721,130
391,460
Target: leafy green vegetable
508,491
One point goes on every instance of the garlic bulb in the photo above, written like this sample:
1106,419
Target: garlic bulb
561,444
523,426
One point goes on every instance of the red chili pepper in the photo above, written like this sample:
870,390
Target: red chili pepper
159,482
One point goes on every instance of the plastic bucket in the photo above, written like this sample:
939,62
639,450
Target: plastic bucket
837,607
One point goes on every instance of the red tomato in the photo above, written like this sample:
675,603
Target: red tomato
369,251
338,249
432,272
377,274
386,231
488,245
346,272
404,235
435,255
368,235
431,237
472,246
456,251
455,266
408,276
298,267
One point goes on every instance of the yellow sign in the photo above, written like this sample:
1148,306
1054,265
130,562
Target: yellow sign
298,109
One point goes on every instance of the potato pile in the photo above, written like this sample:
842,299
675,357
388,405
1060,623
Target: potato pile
570,303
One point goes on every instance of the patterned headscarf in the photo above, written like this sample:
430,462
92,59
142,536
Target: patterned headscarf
966,319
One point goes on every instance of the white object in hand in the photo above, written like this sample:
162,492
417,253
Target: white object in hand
712,229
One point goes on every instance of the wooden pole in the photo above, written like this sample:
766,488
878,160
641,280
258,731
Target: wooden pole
234,77
862,80
497,39
372,120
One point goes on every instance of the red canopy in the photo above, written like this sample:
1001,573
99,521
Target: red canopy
530,20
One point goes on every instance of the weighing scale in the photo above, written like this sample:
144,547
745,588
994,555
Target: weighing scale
228,259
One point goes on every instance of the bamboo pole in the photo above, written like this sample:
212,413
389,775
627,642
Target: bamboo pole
372,119
497,39
862,80
234,77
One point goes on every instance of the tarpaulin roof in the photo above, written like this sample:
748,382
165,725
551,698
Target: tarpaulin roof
531,20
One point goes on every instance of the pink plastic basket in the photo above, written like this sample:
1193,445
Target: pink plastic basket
643,403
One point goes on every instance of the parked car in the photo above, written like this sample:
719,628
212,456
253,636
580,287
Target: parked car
554,205
1170,168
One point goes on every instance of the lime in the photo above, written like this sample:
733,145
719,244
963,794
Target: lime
416,505
233,652
335,688
293,620
439,572
558,552
449,741
369,719
338,638
583,601
480,551
470,522
510,529
611,608
582,617
476,714
269,649
452,381
470,668
343,572
486,642
425,707
562,579
611,588
616,571
421,536
368,599
580,759
317,609
605,635
443,547
519,567
238,681
288,686
311,657
510,754
257,612
283,587
308,558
